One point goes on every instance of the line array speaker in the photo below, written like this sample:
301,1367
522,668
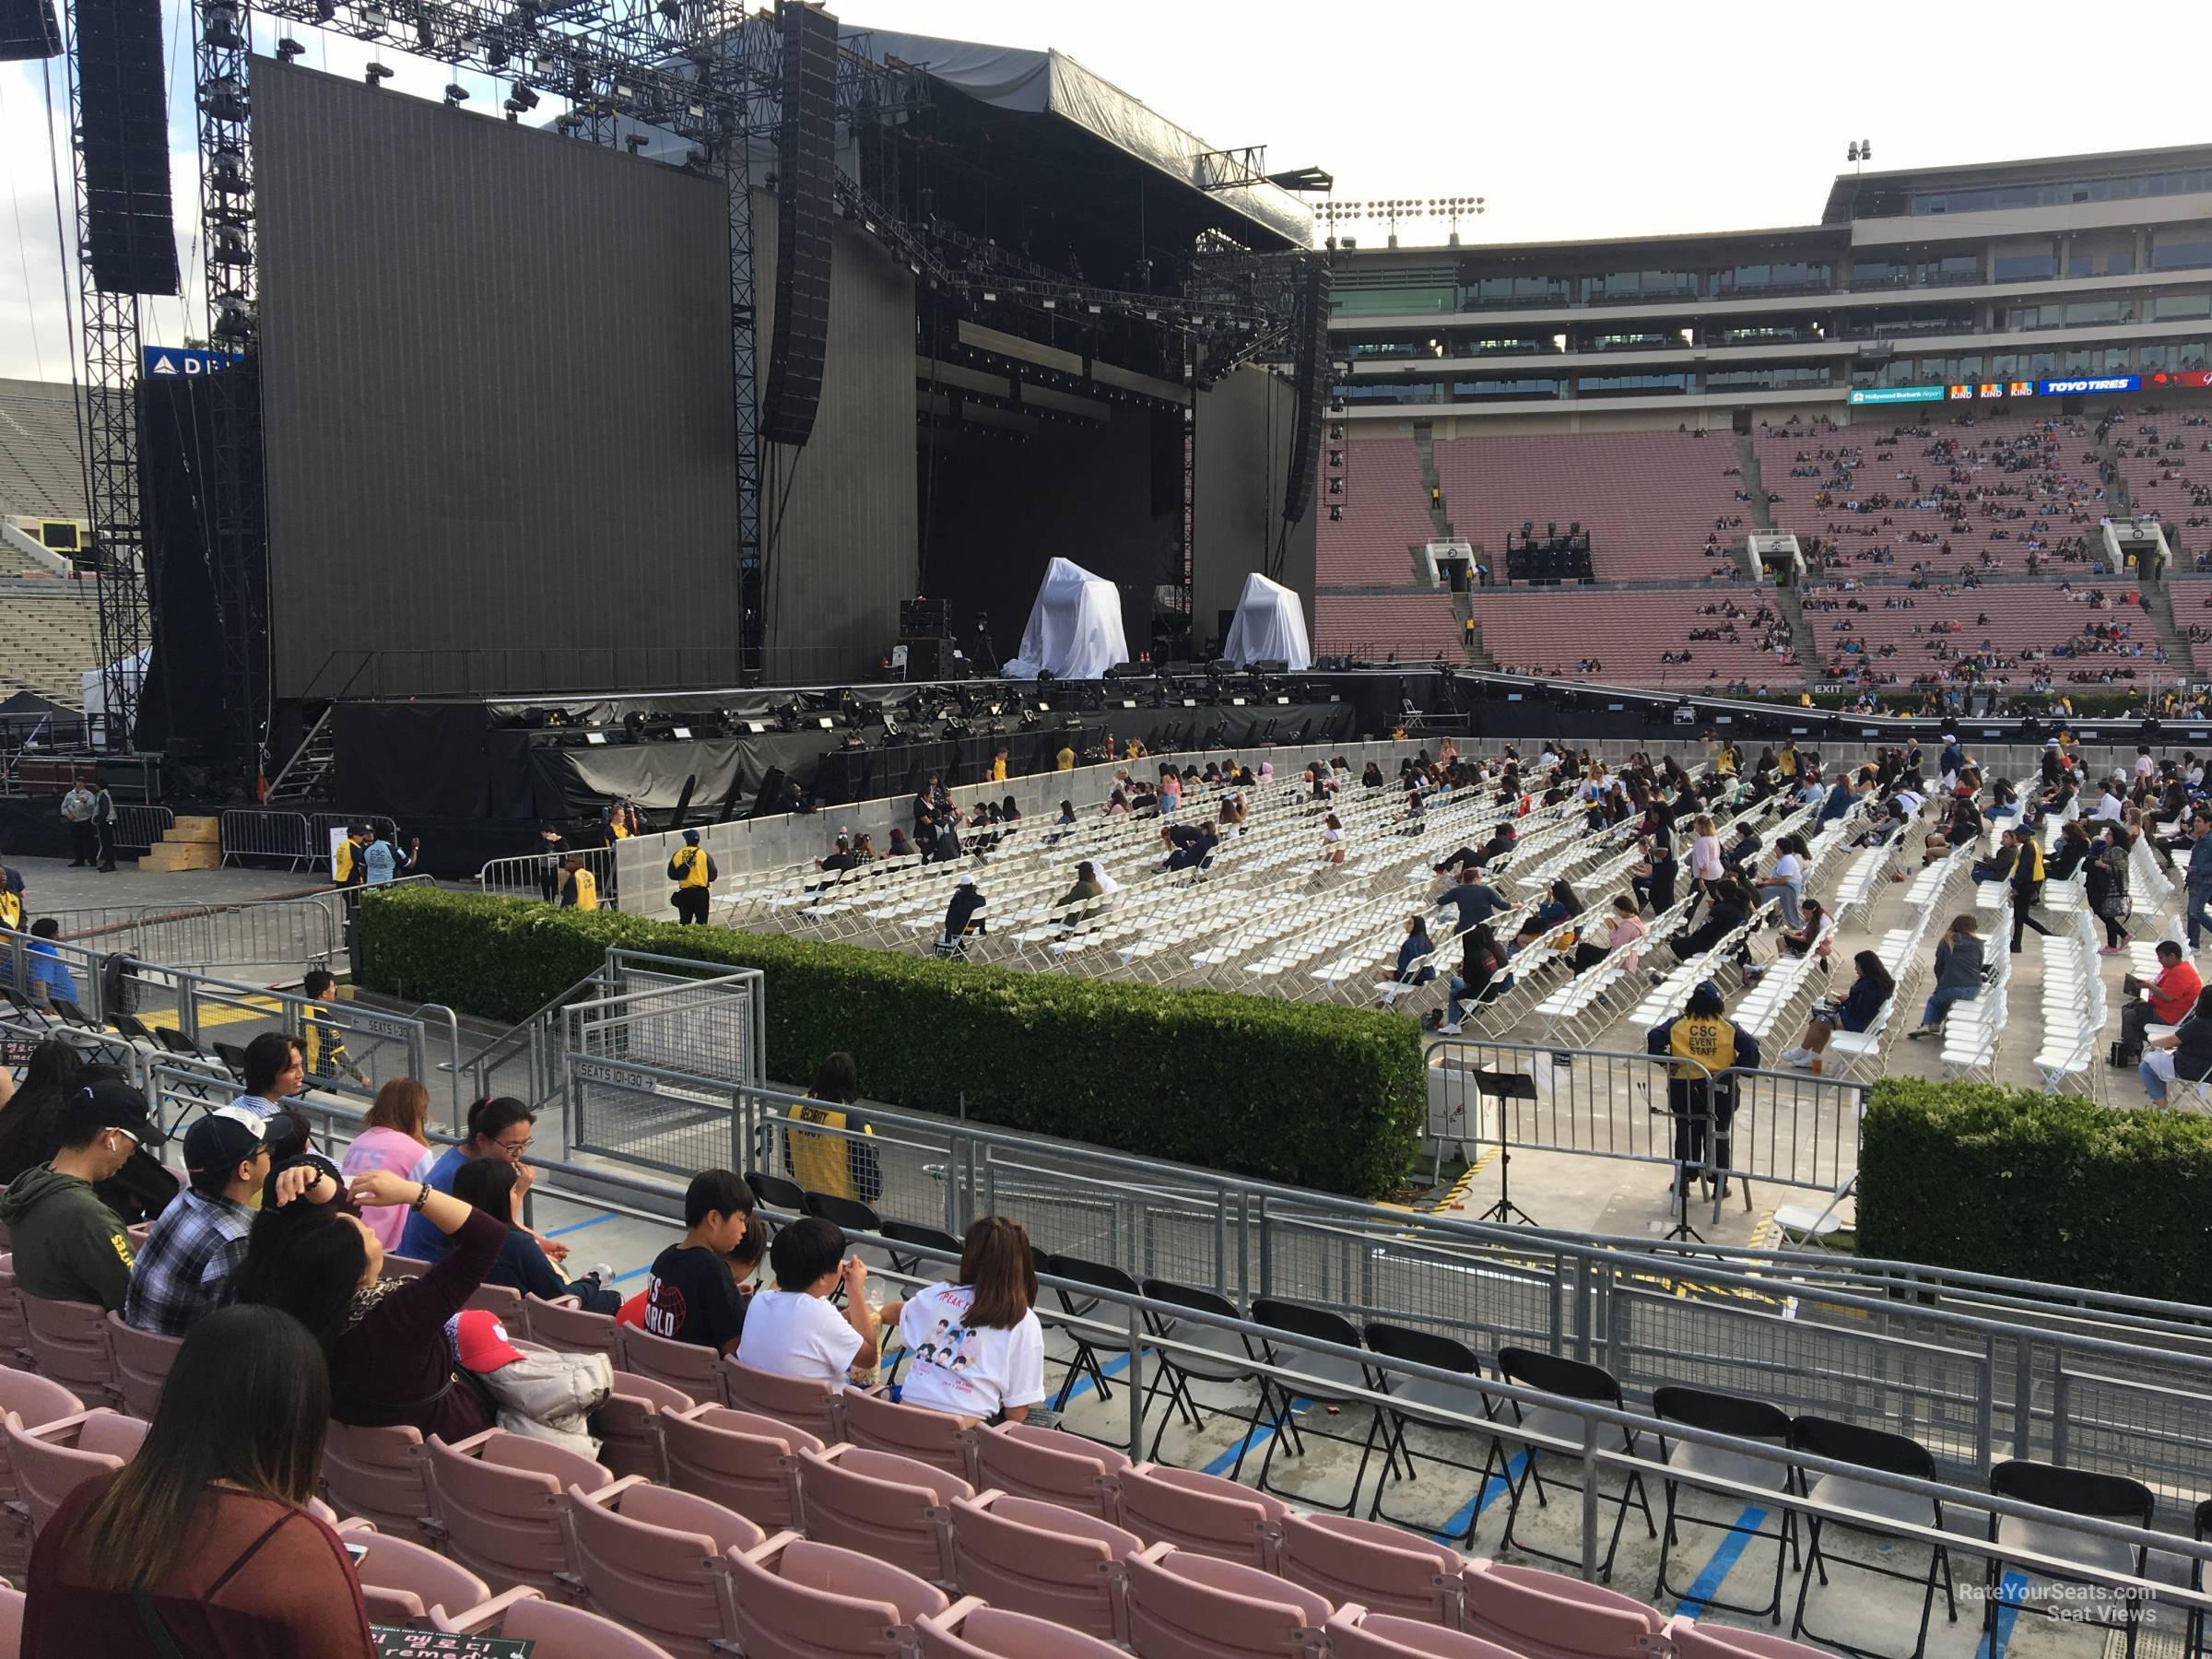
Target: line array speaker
806,190
1310,387
131,243
28,29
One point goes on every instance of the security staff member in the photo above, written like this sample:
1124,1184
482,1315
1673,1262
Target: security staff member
1702,1044
692,869
578,887
838,1165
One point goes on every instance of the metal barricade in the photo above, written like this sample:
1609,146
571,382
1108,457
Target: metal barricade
264,833
139,825
652,1070
537,876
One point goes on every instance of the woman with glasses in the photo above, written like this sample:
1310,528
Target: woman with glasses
498,1126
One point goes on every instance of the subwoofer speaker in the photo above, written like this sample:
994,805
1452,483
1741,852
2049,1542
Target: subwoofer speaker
806,194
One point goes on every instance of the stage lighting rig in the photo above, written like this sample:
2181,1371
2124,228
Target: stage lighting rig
522,100
456,95
375,73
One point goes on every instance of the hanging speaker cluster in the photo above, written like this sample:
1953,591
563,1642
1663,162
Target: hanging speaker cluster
1310,386
131,241
28,29
806,194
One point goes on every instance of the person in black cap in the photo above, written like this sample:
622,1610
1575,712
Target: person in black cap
1704,1044
69,1245
692,869
184,1270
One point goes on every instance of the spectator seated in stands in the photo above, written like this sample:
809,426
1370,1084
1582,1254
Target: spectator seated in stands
1556,914
30,1121
977,1348
791,1329
1729,908
1960,963
392,1137
495,1187
1870,989
1332,840
46,977
1415,946
205,1533
1786,881
1078,901
691,1295
2163,1000
497,1126
68,1246
1812,915
384,1339
196,1246
275,1071
1372,778
840,858
2183,1054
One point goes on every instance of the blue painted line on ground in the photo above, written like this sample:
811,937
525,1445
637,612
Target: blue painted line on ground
555,1232
1707,1584
633,1273
1494,1487
2011,1588
1253,1437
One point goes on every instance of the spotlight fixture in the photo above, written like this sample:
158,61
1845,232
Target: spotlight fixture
522,99
634,142
288,48
375,73
374,20
456,95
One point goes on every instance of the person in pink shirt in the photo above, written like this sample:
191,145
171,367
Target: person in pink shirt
392,1139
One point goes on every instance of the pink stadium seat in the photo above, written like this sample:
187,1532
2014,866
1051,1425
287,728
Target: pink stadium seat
1415,627
915,1432
813,1407
70,1343
402,1581
557,1632
562,1324
1540,629
746,1462
53,1459
1549,1616
798,1599
892,1508
1202,1513
969,1630
11,1623
657,1561
501,1300
1048,1465
1193,1606
27,1402
1691,1639
687,1367
629,1425
1384,1568
1043,1559
500,1498
1355,1633
140,1362
1388,515
15,1336
378,1475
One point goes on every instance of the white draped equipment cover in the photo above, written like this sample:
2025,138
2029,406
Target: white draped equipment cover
1074,628
1269,627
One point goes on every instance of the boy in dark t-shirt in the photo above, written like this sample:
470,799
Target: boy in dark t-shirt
690,1295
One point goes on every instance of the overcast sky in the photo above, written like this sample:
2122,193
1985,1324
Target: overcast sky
1605,119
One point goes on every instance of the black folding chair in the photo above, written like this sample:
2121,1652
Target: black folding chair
2072,1492
848,1213
1744,1419
1867,1506
772,1192
1436,1406
1318,1380
1089,1347
1177,1372
928,1238
1575,1381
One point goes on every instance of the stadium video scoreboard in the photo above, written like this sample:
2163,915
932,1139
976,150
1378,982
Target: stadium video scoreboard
2066,387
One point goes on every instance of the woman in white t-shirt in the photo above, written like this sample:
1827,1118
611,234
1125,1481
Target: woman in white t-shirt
977,1348
792,1331
1332,841
1786,881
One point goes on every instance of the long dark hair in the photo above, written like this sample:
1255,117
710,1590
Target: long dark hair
308,1260
487,1185
837,1078
247,1403
29,1123
1870,968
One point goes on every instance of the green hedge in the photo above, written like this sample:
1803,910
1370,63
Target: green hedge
1310,1096
2037,1186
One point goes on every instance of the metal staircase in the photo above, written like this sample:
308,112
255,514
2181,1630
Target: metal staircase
305,775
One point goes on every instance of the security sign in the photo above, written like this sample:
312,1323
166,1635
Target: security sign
175,362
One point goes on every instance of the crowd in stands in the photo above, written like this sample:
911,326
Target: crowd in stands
2016,635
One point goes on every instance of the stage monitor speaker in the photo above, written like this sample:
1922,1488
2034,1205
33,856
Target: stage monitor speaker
28,29
1310,386
130,238
806,196
927,659
772,792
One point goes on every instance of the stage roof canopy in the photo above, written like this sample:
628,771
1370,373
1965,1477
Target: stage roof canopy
1052,82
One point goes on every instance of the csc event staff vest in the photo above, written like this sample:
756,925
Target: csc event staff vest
1706,1039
